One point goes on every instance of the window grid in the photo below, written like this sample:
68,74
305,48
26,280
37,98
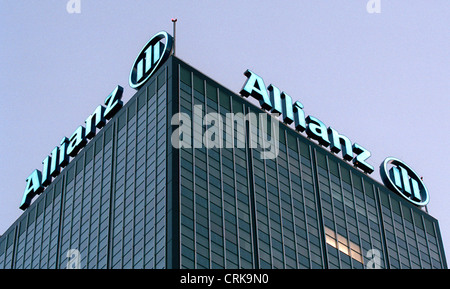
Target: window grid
235,209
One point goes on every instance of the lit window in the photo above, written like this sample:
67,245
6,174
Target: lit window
330,237
342,244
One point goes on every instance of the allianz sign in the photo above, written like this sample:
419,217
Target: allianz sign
275,101
400,178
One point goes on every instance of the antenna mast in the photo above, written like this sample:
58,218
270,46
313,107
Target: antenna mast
174,21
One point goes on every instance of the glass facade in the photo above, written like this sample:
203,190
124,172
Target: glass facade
109,203
306,208
130,199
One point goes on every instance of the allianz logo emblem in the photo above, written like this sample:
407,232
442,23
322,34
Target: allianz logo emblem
154,53
400,178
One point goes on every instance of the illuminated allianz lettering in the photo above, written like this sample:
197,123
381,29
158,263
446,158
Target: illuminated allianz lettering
274,100
409,186
154,53
149,60
70,147
403,180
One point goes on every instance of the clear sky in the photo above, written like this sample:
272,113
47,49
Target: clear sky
381,79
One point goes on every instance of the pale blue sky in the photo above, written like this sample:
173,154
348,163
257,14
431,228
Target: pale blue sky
380,79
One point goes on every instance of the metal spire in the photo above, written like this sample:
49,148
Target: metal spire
174,21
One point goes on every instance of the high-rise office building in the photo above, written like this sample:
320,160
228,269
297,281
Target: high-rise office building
131,199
